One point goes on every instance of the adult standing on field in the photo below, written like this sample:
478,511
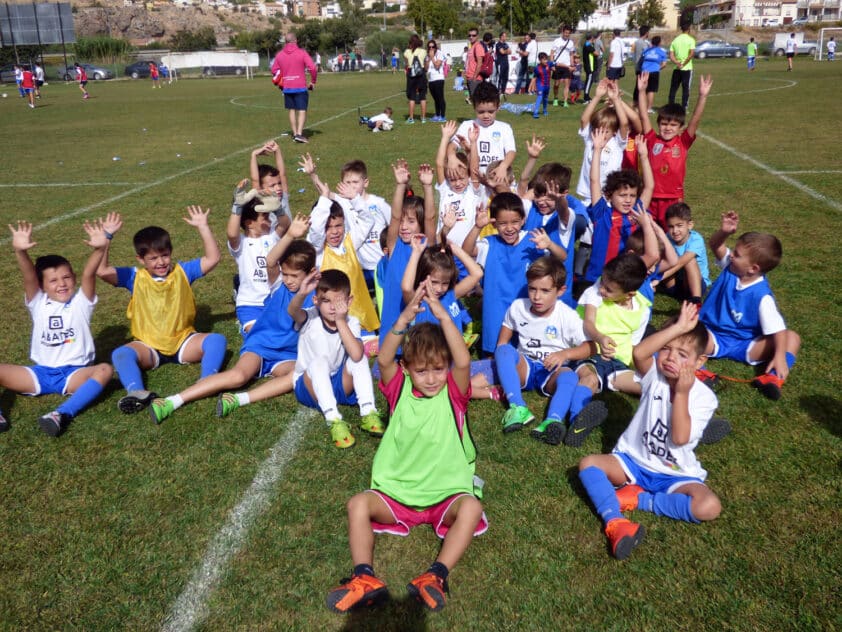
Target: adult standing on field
682,50
435,79
561,54
293,62
416,77
599,54
614,70
473,64
638,48
501,60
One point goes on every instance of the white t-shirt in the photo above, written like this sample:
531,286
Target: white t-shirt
358,225
381,117
379,211
464,204
532,50
494,141
591,297
61,332
539,336
831,46
251,265
616,53
317,341
561,50
791,45
611,159
434,74
648,439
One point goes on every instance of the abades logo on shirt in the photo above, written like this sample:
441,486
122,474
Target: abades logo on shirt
56,335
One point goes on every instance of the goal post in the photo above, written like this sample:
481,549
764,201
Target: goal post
824,36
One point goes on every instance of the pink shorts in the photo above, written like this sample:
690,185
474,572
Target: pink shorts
406,517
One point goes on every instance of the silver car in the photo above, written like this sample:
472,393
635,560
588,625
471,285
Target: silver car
366,64
94,72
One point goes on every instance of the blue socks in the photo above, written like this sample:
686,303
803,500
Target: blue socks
581,397
213,353
83,396
506,358
601,492
565,386
125,361
675,506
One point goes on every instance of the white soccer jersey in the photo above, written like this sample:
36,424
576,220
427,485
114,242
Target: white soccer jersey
611,159
251,264
374,206
539,336
464,204
61,332
494,141
317,341
648,439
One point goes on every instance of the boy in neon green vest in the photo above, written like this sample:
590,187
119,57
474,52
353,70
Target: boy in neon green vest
423,471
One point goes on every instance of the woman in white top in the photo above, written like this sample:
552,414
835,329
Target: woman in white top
435,79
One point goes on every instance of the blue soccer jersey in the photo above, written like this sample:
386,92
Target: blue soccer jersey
732,312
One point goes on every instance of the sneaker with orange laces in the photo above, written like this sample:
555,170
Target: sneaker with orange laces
627,497
430,590
769,385
623,536
358,591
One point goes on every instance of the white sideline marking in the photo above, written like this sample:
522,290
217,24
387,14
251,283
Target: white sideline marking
116,198
791,181
810,171
66,184
788,84
191,609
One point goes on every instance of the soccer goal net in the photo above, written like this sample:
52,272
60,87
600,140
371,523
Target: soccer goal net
824,37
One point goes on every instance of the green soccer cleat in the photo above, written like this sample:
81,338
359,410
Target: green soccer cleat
160,409
372,424
226,404
550,431
516,418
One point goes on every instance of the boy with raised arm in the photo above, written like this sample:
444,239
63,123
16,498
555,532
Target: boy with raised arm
62,346
423,471
740,312
653,463
162,308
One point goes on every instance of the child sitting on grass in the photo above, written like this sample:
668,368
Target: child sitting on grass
654,461
423,471
740,312
162,309
689,278
549,337
271,346
62,346
331,367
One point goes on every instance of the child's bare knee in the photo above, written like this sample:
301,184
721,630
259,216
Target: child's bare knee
707,507
589,461
103,372
358,504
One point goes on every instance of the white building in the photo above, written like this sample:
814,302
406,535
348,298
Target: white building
611,14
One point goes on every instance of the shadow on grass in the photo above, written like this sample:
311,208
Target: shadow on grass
823,410
206,319
406,614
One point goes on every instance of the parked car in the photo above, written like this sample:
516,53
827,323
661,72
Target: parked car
94,72
718,48
140,70
802,46
210,71
7,73
799,22
367,64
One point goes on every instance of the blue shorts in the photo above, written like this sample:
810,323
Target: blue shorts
751,61
28,90
296,100
247,314
51,380
652,482
737,349
536,376
304,397
604,368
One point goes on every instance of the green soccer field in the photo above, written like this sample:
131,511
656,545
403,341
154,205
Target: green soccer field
216,524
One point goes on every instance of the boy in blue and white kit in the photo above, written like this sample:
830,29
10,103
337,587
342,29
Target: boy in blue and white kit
740,312
505,258
549,336
654,460
331,367
496,139
62,346
689,278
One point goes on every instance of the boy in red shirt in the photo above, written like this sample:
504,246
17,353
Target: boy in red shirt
27,84
668,146
82,78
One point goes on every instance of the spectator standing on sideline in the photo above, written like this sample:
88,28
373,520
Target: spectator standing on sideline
588,65
638,48
435,79
599,52
615,57
560,55
501,61
473,64
522,65
682,50
415,57
292,62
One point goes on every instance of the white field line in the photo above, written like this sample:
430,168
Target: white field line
65,185
763,167
787,84
191,607
809,171
149,185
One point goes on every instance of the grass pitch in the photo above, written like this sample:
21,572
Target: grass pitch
123,524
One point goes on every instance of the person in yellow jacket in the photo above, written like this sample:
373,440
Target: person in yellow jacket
162,309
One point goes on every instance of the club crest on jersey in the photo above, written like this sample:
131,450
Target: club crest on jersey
737,316
657,149
551,332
